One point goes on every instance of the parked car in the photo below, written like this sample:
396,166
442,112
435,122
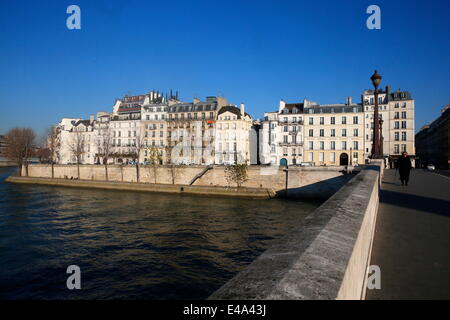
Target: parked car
431,167
306,164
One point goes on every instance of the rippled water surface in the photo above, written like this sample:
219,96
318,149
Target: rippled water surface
130,245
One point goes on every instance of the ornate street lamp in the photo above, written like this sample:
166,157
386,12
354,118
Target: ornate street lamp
376,79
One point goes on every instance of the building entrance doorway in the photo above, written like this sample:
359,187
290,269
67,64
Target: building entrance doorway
343,159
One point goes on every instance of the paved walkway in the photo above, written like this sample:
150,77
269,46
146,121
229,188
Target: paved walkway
412,237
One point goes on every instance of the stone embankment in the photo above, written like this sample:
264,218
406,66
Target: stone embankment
312,183
243,192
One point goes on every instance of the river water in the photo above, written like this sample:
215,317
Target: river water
130,245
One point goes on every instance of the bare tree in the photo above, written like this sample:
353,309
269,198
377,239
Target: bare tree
19,147
172,167
42,153
77,147
104,147
138,147
155,159
53,145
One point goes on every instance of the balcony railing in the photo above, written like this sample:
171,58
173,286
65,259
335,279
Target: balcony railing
282,122
291,143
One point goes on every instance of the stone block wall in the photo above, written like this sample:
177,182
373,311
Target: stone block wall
316,182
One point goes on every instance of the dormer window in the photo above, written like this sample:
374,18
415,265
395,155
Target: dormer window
285,110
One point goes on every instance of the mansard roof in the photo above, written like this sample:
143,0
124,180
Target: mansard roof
86,123
191,107
293,106
233,110
334,108
399,96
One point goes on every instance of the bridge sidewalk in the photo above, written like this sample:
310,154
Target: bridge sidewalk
412,237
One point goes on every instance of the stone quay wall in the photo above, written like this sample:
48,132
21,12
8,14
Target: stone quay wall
303,182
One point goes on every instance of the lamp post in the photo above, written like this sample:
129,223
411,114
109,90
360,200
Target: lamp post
376,79
381,138
287,179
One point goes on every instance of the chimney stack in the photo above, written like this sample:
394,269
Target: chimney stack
91,118
282,105
242,110
388,90
349,101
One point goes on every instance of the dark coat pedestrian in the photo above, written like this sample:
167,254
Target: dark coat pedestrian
404,167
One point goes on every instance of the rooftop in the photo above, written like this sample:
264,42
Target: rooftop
234,110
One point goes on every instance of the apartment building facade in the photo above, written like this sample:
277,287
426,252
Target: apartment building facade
433,142
215,132
75,133
334,134
154,127
396,110
191,131
125,126
232,136
281,135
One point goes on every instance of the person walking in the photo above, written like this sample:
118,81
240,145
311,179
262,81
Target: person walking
404,167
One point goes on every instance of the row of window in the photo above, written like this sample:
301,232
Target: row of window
132,143
227,147
118,143
226,126
294,152
154,126
156,109
155,117
189,116
332,156
333,132
154,143
153,134
397,136
119,134
333,120
227,117
333,145
397,115
293,120
397,105
397,148
227,136
291,129
293,139
125,125
397,125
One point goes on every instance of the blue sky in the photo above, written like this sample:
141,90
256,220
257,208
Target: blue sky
256,52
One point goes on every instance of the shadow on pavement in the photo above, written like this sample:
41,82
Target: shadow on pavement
426,204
